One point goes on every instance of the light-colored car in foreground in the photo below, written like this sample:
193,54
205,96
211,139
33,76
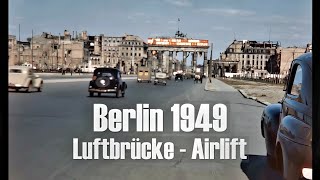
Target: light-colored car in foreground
22,77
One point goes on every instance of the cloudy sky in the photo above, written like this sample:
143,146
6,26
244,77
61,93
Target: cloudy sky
219,21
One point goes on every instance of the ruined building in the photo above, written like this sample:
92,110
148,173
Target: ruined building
247,56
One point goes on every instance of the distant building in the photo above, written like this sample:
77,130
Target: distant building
111,50
247,56
94,46
286,55
47,51
12,50
132,49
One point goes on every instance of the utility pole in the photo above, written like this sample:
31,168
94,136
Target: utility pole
62,57
58,51
52,51
269,33
210,64
32,49
132,60
19,47
293,55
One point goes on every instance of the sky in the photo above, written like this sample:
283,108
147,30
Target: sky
219,21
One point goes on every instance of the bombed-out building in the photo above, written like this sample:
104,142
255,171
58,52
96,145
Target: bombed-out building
247,56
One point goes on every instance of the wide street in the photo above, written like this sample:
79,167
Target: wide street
42,126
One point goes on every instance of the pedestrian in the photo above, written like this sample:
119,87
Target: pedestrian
71,71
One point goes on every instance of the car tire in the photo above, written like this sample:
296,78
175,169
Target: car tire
40,88
271,161
29,88
91,94
118,92
279,161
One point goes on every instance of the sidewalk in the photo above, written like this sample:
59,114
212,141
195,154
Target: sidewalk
264,93
217,85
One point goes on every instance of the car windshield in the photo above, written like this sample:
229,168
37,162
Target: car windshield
15,71
105,72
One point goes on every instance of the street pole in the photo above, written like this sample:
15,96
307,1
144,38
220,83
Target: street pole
132,60
52,48
58,51
210,64
62,54
32,49
19,47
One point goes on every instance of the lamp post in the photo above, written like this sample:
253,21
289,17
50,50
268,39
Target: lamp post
132,60
32,49
19,47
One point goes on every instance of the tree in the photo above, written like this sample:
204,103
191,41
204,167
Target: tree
273,65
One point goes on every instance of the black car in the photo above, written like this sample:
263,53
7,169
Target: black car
179,77
287,126
107,80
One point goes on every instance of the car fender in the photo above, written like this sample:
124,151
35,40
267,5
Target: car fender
270,124
37,82
124,85
27,82
295,137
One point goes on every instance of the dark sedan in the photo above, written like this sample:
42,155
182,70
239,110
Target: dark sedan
179,77
107,80
287,126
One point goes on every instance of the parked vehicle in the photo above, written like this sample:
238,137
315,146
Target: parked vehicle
287,125
22,77
107,80
160,78
144,74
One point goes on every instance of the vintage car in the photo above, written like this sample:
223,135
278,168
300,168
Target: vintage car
144,74
179,77
22,77
107,80
287,126
160,78
198,77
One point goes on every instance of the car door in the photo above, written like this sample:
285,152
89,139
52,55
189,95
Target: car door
294,107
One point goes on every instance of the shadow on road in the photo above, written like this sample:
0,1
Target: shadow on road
256,168
103,96
23,91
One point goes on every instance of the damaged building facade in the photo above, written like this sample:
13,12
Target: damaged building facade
123,52
12,50
47,51
247,57
281,61
253,58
